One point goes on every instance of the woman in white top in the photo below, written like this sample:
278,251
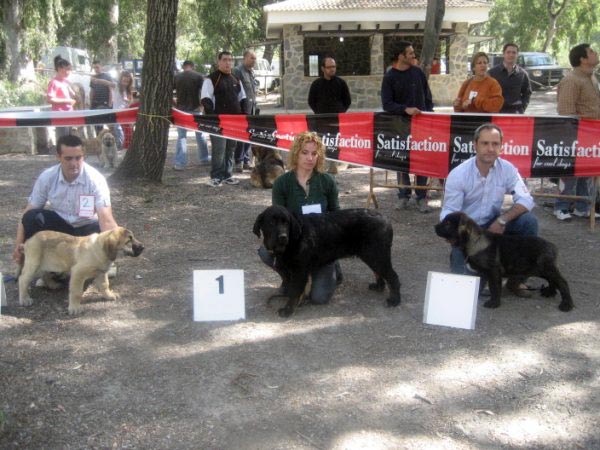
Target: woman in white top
122,95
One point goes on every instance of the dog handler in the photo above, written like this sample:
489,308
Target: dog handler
76,194
477,188
307,189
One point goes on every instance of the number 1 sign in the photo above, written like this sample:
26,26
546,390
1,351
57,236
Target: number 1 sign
219,295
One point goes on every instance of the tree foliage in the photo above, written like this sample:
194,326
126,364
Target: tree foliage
526,22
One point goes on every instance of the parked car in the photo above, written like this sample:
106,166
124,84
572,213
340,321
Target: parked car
266,77
540,66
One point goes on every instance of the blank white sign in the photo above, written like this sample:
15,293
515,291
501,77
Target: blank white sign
2,292
219,295
451,300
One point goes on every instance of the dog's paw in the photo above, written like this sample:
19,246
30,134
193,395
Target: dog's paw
26,301
379,287
565,306
547,291
391,302
110,295
492,304
74,310
286,311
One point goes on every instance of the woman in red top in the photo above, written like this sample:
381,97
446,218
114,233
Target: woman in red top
60,93
480,93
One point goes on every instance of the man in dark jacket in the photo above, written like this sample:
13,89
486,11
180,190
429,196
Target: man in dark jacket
516,87
329,93
188,85
223,93
405,91
245,73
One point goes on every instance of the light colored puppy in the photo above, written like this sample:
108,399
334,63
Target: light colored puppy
108,148
83,257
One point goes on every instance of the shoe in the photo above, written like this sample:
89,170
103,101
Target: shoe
112,270
585,214
403,204
239,168
214,182
562,215
423,206
178,168
518,289
231,181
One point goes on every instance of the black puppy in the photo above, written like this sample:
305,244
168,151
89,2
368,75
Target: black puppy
303,243
497,255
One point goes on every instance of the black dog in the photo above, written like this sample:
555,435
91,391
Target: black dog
497,255
303,243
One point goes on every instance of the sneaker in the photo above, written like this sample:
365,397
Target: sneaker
585,214
403,204
562,215
112,270
231,181
239,168
214,182
423,206
178,168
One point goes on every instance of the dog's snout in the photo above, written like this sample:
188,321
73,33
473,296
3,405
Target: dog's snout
282,239
137,248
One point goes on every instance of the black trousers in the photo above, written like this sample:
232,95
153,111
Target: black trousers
36,220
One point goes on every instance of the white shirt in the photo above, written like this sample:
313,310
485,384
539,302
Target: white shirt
481,197
63,197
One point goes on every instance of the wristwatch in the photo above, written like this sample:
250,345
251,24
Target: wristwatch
501,221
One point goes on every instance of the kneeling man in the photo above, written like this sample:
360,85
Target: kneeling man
71,197
477,188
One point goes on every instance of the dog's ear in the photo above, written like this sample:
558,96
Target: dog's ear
113,243
258,224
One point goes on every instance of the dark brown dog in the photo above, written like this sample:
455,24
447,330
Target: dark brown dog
497,255
268,165
303,243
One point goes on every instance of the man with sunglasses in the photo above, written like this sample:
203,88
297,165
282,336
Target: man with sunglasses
71,197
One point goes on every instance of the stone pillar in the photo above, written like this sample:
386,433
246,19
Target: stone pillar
459,46
294,86
17,140
377,63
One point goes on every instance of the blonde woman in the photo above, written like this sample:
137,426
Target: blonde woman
306,188
480,93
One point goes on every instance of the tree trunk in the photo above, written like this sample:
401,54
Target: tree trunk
269,51
146,156
13,27
433,26
553,18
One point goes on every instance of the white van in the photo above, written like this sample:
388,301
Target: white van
264,75
80,62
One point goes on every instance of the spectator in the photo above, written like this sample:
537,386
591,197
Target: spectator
65,188
329,93
477,187
188,87
223,93
405,91
436,67
60,95
514,81
101,85
122,98
479,93
245,73
307,187
578,95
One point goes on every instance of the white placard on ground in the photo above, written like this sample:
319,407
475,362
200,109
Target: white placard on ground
219,295
2,292
451,300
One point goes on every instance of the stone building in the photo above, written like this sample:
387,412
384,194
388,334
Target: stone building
359,34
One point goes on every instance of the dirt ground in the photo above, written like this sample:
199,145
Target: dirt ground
353,374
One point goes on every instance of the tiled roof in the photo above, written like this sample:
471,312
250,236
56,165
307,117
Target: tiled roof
317,5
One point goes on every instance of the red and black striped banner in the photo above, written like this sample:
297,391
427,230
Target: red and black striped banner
430,144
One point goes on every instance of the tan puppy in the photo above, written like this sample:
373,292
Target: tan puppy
268,166
108,148
84,257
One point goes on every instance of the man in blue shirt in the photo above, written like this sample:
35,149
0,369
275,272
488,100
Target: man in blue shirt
477,188
405,91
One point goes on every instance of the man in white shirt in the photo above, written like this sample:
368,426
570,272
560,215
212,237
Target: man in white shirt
477,188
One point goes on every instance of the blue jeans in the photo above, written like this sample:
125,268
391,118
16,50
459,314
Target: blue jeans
181,147
222,157
324,279
574,186
119,136
404,178
242,153
524,225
